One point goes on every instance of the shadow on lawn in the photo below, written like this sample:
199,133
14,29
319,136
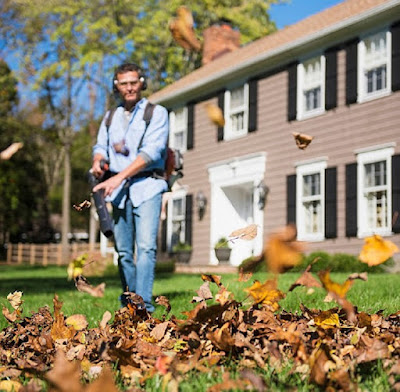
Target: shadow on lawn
49,284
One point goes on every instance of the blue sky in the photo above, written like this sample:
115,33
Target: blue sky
295,10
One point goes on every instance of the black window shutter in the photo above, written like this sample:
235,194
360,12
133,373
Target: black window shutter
351,72
331,79
396,193
292,92
291,198
330,202
190,127
221,103
351,200
188,219
395,29
253,92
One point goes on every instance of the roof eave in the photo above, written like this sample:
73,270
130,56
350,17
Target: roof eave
271,59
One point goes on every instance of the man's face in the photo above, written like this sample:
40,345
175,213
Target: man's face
129,86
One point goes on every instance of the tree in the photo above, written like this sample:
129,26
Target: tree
66,44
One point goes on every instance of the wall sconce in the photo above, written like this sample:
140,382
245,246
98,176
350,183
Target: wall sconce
201,202
263,191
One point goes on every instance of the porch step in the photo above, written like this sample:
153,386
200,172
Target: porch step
205,269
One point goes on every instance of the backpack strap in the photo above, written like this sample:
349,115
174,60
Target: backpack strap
148,114
107,124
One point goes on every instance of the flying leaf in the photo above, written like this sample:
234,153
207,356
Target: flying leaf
376,250
182,30
213,279
306,279
83,205
266,293
215,114
82,284
10,151
223,296
247,233
11,317
15,299
302,140
77,321
204,293
282,251
75,267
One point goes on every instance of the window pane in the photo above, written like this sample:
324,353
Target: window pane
237,121
180,120
313,217
178,140
237,97
311,185
377,210
375,174
312,99
177,207
376,79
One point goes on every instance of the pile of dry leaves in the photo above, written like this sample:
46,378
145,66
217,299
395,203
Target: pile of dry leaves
324,346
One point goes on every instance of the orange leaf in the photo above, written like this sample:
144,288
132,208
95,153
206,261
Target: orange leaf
302,140
213,279
306,279
266,294
215,114
376,250
282,251
59,330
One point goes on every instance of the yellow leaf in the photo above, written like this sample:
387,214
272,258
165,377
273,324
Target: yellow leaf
376,250
334,287
215,114
10,386
15,299
266,293
327,319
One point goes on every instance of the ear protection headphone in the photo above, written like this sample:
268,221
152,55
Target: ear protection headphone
127,67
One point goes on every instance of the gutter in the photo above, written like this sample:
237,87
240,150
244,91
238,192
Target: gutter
279,51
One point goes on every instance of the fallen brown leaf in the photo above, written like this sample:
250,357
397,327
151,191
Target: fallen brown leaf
82,284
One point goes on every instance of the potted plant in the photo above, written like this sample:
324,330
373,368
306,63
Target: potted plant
183,252
222,250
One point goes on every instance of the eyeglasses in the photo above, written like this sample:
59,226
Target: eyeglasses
126,83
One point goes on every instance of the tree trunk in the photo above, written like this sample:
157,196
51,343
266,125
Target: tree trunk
66,203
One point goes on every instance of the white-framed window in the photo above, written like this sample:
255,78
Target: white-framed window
178,128
310,201
374,191
374,66
236,112
311,87
176,219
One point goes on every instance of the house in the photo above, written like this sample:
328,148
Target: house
335,76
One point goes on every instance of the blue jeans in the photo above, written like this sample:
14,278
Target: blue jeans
137,225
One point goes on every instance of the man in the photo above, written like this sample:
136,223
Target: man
134,154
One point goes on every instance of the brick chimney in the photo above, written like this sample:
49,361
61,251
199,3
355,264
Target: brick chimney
219,39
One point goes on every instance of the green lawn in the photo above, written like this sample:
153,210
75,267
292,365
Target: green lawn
39,284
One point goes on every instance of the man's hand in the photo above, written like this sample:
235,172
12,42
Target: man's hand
109,185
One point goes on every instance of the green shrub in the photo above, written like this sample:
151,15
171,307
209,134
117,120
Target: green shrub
337,262
165,267
253,264
181,246
221,243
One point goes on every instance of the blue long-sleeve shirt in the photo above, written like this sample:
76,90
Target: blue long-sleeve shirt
153,150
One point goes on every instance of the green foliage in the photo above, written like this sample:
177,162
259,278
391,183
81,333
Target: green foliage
181,246
8,90
221,243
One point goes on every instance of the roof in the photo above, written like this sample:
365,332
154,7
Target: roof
329,21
